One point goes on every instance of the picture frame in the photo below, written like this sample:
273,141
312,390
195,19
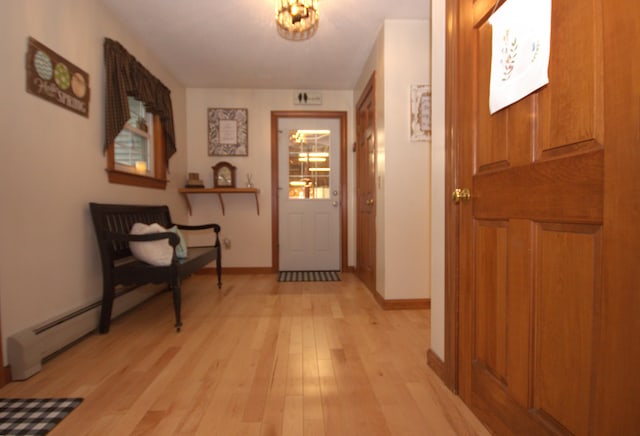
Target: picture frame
420,123
228,132
53,78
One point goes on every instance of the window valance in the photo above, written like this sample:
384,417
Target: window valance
126,76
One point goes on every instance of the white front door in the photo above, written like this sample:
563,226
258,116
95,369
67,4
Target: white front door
309,194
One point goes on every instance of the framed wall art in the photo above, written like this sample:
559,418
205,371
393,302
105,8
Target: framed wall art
227,132
53,78
420,113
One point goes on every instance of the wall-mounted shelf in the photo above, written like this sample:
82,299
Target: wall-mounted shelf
219,191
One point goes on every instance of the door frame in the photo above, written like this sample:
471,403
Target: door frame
275,208
369,90
452,214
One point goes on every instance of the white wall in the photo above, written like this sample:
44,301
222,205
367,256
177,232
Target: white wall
249,233
400,58
406,181
52,164
438,195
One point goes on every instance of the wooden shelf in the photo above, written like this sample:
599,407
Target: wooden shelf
219,191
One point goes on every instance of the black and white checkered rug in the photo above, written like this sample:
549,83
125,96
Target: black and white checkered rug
309,276
33,416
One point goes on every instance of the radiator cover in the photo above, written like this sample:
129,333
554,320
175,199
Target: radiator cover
27,349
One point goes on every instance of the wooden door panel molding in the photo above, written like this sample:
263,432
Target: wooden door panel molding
539,262
571,109
490,296
502,310
572,103
506,416
567,292
560,190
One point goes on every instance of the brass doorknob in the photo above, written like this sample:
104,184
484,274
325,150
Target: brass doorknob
461,194
369,202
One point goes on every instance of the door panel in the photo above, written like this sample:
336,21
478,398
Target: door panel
491,287
567,278
568,102
530,253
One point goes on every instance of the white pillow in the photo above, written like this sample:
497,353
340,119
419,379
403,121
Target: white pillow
157,253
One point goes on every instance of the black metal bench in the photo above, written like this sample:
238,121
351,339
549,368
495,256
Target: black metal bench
113,222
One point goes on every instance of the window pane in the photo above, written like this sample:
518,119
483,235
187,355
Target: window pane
133,147
130,148
309,169
138,114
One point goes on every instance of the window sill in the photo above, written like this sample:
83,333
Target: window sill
124,178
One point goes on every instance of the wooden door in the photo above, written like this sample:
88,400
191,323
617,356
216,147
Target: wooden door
548,243
366,187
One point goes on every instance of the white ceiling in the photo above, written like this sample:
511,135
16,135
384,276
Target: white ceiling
234,43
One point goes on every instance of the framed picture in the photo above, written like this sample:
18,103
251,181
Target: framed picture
227,132
55,79
420,113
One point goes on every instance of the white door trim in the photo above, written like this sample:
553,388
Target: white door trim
275,214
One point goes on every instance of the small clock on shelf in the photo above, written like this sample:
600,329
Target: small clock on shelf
224,175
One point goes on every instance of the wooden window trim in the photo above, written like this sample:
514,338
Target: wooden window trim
159,180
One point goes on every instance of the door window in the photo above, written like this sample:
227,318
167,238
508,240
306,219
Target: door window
309,169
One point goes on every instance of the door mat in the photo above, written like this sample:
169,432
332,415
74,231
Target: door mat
309,276
33,416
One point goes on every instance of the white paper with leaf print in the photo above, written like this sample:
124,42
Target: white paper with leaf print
521,34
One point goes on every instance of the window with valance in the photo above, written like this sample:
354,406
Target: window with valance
130,85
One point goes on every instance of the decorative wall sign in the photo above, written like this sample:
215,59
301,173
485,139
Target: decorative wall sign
420,113
228,133
521,34
55,79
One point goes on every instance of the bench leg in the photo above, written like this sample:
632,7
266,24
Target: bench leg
107,305
219,267
177,304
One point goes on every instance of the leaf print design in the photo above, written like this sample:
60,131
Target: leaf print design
509,53
535,49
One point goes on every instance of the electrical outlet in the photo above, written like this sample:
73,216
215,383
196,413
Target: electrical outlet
227,243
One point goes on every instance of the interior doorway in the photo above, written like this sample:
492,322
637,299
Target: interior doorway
290,217
366,186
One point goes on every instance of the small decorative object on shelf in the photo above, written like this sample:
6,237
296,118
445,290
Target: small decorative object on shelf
249,180
224,175
194,181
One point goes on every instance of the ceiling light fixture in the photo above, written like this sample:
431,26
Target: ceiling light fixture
297,20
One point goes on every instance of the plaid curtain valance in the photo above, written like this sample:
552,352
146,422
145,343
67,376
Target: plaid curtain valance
126,76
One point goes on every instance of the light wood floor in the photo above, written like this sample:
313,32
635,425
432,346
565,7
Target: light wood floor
256,358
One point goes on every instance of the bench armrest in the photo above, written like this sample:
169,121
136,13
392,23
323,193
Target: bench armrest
174,239
215,227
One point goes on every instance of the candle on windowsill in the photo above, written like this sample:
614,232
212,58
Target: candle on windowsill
141,167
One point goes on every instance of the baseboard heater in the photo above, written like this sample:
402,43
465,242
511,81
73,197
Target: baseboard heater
29,348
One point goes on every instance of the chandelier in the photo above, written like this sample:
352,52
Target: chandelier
297,20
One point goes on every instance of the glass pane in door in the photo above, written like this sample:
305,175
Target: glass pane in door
309,157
